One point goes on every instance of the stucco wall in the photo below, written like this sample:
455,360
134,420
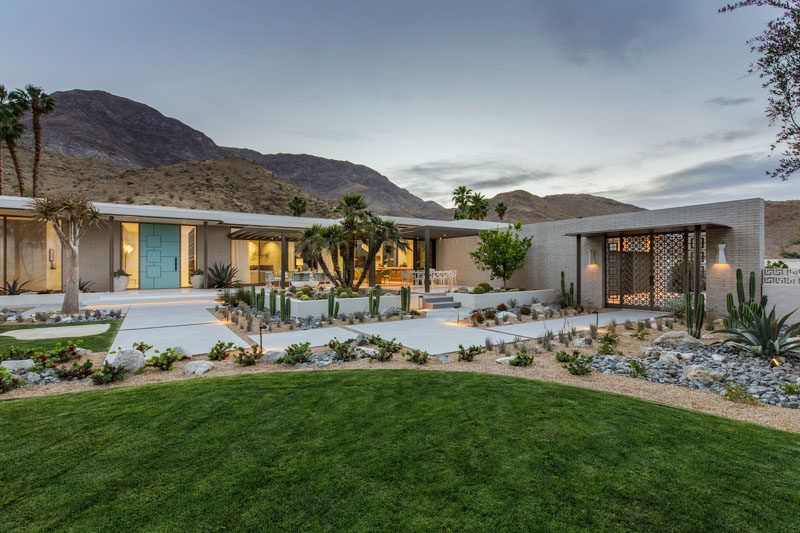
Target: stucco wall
219,245
94,255
782,287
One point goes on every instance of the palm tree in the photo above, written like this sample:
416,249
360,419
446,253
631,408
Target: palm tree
500,209
11,129
461,195
478,206
70,215
298,205
382,232
39,103
313,243
355,218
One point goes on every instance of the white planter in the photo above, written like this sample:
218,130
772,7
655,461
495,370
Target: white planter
492,299
197,281
121,283
302,309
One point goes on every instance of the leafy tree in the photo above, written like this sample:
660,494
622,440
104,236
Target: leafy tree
11,129
501,252
298,205
39,103
500,209
71,215
778,66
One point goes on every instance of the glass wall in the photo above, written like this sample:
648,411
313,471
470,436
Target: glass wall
32,254
130,252
253,259
188,253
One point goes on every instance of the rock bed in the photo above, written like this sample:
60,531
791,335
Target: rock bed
677,359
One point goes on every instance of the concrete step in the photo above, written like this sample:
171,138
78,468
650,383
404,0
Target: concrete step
442,305
434,299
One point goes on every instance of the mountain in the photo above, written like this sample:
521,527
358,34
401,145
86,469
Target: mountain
132,135
231,183
527,208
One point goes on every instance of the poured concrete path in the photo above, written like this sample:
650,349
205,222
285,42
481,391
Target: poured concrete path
317,337
57,332
537,329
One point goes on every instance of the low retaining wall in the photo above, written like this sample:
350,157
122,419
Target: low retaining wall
492,299
782,287
302,309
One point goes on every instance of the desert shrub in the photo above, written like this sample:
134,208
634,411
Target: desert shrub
343,350
142,346
579,366
512,303
164,360
8,381
641,334
419,357
220,351
525,310
478,290
485,286
523,358
736,392
244,356
296,353
608,344
675,306
629,325
108,374
76,371
468,354
790,389
490,314
477,316
502,307
638,369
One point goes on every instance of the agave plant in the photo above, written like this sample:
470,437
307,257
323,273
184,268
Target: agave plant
765,334
14,288
85,285
221,275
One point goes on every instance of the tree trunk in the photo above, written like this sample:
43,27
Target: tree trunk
71,279
37,152
1,167
371,253
13,151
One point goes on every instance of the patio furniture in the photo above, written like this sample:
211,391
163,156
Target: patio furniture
302,279
270,280
438,278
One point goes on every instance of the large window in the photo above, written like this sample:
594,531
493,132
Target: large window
130,252
32,254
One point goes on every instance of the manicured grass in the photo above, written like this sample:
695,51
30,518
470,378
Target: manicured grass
96,343
386,450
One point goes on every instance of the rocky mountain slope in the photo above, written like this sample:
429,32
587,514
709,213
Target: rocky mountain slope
231,183
782,228
527,208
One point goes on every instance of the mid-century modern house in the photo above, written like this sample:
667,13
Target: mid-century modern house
638,259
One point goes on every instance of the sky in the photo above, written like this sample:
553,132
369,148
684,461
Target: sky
643,101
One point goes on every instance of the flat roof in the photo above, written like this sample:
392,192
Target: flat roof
643,230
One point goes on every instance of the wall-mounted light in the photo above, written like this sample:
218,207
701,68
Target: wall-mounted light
593,257
721,259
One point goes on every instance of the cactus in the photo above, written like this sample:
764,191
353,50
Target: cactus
331,297
288,309
695,317
747,304
336,309
566,298
283,306
405,298
571,294
272,303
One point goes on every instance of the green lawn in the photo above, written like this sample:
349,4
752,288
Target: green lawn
386,450
96,343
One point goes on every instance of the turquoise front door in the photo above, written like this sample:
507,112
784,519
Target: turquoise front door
159,256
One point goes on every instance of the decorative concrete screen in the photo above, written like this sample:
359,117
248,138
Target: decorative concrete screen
782,286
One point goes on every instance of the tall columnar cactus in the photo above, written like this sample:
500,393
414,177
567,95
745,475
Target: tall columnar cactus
571,294
288,309
405,299
261,299
336,309
331,303
283,306
272,302
695,317
566,298
748,307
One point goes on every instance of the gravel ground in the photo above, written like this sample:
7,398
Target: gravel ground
545,368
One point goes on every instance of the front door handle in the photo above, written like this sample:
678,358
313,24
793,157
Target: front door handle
176,264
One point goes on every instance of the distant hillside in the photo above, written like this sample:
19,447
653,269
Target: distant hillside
231,183
527,208
132,135
782,223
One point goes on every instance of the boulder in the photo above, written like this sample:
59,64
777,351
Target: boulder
323,363
442,358
686,356
650,351
197,367
183,351
17,366
362,339
366,352
271,356
83,352
132,360
503,360
669,357
675,338
584,342
703,373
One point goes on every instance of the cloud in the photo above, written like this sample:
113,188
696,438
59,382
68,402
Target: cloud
727,101
738,176
619,32
438,178
701,141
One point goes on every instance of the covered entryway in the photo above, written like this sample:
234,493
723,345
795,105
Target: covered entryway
645,271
